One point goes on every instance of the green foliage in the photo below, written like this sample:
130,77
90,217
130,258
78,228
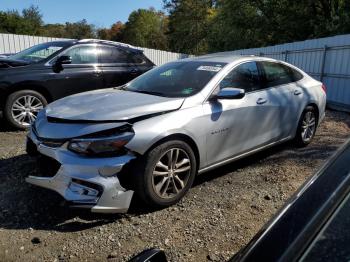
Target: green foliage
115,33
255,23
29,22
79,30
189,24
146,28
201,26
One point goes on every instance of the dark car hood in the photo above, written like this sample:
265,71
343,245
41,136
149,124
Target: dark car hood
110,105
7,62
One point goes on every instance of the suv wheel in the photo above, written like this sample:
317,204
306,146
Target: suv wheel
307,127
21,108
166,173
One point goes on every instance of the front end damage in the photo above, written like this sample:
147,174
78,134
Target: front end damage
84,181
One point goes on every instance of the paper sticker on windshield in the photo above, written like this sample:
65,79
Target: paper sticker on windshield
209,68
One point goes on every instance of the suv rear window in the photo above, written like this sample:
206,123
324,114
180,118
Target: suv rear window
111,55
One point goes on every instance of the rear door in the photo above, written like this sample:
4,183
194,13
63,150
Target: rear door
280,80
117,66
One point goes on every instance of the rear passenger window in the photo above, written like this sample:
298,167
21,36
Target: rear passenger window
111,55
276,74
245,76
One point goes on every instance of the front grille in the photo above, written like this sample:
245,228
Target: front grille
48,142
52,143
47,166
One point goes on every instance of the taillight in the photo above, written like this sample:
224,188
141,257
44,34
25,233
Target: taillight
324,88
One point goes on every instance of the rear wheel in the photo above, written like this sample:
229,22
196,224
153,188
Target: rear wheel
22,107
307,127
165,174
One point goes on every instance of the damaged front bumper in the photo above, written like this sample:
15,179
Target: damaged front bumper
83,181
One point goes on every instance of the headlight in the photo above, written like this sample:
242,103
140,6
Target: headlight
106,146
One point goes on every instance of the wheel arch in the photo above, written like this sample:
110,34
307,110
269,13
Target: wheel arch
182,137
317,111
30,86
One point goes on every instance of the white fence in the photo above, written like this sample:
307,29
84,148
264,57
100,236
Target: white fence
10,43
326,59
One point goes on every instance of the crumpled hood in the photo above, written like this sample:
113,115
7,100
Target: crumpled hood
110,105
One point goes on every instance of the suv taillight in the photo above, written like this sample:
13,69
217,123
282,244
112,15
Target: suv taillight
324,88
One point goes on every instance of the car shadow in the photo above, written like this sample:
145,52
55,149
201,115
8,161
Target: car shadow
5,127
24,206
278,153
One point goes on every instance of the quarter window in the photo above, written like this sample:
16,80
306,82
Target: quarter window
276,74
245,76
83,54
296,75
111,55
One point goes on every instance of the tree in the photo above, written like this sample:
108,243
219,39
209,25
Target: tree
146,28
54,30
32,19
79,30
30,22
11,22
115,33
189,24
254,23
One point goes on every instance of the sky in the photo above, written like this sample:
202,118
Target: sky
102,13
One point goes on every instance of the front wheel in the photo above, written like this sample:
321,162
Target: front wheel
165,174
307,127
21,108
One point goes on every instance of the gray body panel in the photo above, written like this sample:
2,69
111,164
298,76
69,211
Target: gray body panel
221,130
110,104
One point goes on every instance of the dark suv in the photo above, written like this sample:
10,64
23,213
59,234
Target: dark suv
43,73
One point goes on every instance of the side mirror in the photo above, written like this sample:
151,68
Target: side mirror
63,60
230,93
150,255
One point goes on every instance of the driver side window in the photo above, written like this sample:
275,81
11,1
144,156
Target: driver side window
83,54
245,76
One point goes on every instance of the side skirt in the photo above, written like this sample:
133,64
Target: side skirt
229,160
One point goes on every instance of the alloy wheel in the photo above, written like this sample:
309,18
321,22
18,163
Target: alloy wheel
308,126
171,173
25,109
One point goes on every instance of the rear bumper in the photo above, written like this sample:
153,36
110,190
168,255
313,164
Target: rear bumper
84,182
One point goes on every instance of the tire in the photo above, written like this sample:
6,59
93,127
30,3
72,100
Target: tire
149,186
23,104
308,120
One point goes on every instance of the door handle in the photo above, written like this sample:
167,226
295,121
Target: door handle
297,92
134,71
97,72
261,101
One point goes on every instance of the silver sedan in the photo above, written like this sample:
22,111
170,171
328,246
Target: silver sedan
152,136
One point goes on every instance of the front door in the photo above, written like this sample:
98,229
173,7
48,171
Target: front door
83,74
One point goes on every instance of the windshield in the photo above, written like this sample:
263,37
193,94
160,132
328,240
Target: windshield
177,79
39,52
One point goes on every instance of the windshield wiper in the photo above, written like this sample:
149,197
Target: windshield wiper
147,92
122,87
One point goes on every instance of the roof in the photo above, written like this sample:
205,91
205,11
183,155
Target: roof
110,43
225,57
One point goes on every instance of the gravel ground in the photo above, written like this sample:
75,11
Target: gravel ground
220,214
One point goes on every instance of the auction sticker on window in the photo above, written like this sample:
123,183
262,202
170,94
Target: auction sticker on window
210,68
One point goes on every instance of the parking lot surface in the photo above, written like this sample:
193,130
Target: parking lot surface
219,215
